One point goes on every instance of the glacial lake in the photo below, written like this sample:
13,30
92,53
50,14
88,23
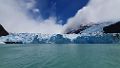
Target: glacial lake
60,56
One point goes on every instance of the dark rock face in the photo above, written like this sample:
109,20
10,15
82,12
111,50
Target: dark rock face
78,31
3,32
114,28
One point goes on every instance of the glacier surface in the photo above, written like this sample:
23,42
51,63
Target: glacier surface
36,38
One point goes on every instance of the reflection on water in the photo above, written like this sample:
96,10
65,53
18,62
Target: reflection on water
60,56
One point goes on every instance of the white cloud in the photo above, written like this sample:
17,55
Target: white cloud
30,4
36,10
96,11
15,19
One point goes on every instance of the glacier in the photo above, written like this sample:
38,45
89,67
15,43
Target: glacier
84,38
91,35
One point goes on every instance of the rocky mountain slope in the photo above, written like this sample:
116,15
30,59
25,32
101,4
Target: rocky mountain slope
3,32
106,27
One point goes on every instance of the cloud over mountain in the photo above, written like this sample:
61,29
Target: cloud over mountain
13,16
96,11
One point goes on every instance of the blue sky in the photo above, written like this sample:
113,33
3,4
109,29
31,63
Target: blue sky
62,9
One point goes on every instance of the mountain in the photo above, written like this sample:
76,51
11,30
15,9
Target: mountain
113,28
89,34
3,32
79,30
105,27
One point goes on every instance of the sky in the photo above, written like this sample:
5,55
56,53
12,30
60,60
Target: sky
56,16
61,9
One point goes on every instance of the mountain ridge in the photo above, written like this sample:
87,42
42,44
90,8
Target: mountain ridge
3,32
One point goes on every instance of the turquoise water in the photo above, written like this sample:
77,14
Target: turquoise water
59,56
